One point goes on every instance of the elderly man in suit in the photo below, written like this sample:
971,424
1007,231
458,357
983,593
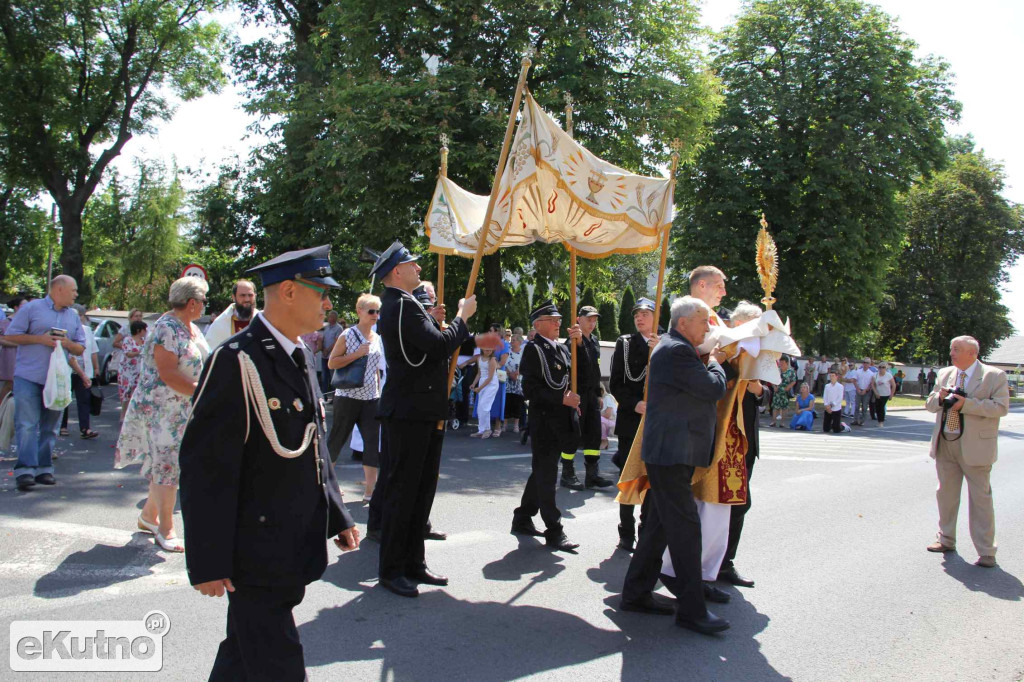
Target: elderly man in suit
679,432
968,401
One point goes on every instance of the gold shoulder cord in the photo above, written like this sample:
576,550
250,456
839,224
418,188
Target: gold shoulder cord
546,371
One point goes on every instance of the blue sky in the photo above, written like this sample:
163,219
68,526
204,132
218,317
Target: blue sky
982,40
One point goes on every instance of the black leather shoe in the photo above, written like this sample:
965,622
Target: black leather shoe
426,577
729,575
46,479
627,538
435,535
25,482
373,535
526,528
712,593
523,437
401,586
560,543
708,624
648,604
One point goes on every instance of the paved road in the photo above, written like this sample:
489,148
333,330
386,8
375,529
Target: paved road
845,589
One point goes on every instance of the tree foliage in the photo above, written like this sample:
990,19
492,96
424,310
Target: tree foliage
626,311
827,117
79,78
390,78
608,327
961,239
24,233
133,240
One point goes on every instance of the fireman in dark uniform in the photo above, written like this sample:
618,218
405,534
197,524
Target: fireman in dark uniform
628,375
258,494
413,404
544,370
588,383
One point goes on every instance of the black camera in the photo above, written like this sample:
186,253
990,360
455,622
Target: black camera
950,400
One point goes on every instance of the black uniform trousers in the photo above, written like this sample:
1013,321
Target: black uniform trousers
672,521
626,431
590,420
262,642
539,494
414,462
375,512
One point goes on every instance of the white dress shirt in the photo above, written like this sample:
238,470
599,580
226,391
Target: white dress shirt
834,396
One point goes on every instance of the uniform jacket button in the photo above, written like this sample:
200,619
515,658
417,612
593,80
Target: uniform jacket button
263,519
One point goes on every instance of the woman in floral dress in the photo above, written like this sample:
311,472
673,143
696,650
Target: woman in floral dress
780,401
131,363
172,360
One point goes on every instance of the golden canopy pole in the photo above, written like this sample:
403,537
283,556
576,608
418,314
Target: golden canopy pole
676,146
485,228
572,258
440,256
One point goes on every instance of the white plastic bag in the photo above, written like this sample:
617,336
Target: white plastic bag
57,391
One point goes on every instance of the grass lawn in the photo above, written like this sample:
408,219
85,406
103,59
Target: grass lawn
910,400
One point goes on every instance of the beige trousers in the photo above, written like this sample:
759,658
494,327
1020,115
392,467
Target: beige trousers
950,466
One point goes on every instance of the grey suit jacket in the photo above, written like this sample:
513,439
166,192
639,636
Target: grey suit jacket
988,399
679,427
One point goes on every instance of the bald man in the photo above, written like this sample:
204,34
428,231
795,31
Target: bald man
36,329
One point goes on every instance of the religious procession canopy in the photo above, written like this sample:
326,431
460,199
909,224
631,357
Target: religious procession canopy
553,190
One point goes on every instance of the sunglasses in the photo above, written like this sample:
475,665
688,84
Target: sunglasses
373,312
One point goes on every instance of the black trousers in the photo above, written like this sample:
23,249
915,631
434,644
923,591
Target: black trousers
880,402
262,642
737,515
833,422
347,413
539,494
627,428
672,521
414,454
376,508
590,421
83,401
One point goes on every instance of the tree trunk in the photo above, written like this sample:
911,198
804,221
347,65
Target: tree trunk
71,260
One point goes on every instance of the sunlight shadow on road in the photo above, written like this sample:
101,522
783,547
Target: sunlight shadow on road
994,582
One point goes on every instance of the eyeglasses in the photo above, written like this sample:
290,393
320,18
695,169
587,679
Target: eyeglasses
373,312
325,292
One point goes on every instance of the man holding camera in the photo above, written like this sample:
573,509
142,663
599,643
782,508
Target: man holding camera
968,401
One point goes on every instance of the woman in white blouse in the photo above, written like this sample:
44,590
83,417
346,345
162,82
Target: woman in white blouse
359,405
883,387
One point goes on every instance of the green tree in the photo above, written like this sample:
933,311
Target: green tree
397,75
827,117
79,79
962,237
626,304
588,298
24,230
134,246
608,327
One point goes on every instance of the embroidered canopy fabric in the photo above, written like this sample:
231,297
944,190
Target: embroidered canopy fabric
553,190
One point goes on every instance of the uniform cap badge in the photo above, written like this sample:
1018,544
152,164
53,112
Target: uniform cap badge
274,403
298,405
233,345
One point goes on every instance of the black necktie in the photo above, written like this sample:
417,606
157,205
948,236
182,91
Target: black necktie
300,360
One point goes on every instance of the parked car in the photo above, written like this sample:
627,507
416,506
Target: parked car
105,329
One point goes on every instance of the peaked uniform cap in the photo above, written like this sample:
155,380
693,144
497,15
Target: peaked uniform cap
545,309
423,296
588,311
644,304
312,264
395,255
